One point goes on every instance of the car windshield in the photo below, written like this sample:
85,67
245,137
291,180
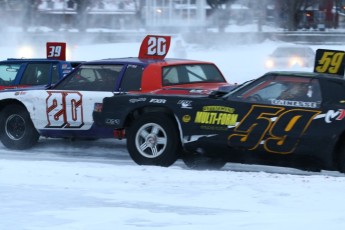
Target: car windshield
292,51
91,78
187,74
280,90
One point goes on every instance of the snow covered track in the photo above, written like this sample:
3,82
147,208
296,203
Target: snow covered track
93,185
82,192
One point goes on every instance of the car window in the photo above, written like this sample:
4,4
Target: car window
186,74
8,73
337,89
282,90
36,74
132,78
91,78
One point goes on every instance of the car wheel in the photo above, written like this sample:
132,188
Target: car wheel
16,128
203,162
153,139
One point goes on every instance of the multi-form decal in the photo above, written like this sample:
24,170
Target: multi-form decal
216,115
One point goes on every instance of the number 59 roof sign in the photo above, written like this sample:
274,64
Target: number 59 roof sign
329,61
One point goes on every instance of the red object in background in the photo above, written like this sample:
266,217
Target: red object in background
154,47
56,50
327,6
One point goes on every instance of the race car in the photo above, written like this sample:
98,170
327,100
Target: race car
294,119
36,72
291,57
65,110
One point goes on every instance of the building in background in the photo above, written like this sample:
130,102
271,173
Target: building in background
185,15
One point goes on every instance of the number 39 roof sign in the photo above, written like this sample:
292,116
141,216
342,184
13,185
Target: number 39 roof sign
56,50
154,47
329,61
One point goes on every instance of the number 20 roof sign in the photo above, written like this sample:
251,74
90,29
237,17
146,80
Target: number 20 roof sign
329,61
154,47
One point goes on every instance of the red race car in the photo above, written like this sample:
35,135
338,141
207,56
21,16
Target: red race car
150,72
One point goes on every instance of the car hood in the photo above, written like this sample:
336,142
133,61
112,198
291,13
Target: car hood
194,89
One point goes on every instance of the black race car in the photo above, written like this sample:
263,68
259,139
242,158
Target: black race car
294,119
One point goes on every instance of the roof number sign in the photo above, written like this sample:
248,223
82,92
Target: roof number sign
329,61
56,50
154,47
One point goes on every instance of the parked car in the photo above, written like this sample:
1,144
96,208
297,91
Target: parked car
290,57
294,119
65,110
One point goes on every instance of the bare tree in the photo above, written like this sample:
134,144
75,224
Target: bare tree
291,11
220,12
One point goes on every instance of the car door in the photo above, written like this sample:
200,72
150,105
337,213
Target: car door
267,123
36,74
70,104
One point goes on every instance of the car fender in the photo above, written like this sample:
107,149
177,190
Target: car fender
21,97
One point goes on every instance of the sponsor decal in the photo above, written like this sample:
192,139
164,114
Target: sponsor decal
19,93
132,66
110,121
212,127
186,118
216,115
199,91
185,104
137,100
158,101
334,115
294,103
219,109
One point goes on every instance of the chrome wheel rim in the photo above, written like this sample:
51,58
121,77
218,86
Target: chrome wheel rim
151,140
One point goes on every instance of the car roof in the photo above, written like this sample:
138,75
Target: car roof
305,74
22,60
135,60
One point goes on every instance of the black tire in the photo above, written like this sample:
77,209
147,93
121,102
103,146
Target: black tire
16,128
153,139
198,162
